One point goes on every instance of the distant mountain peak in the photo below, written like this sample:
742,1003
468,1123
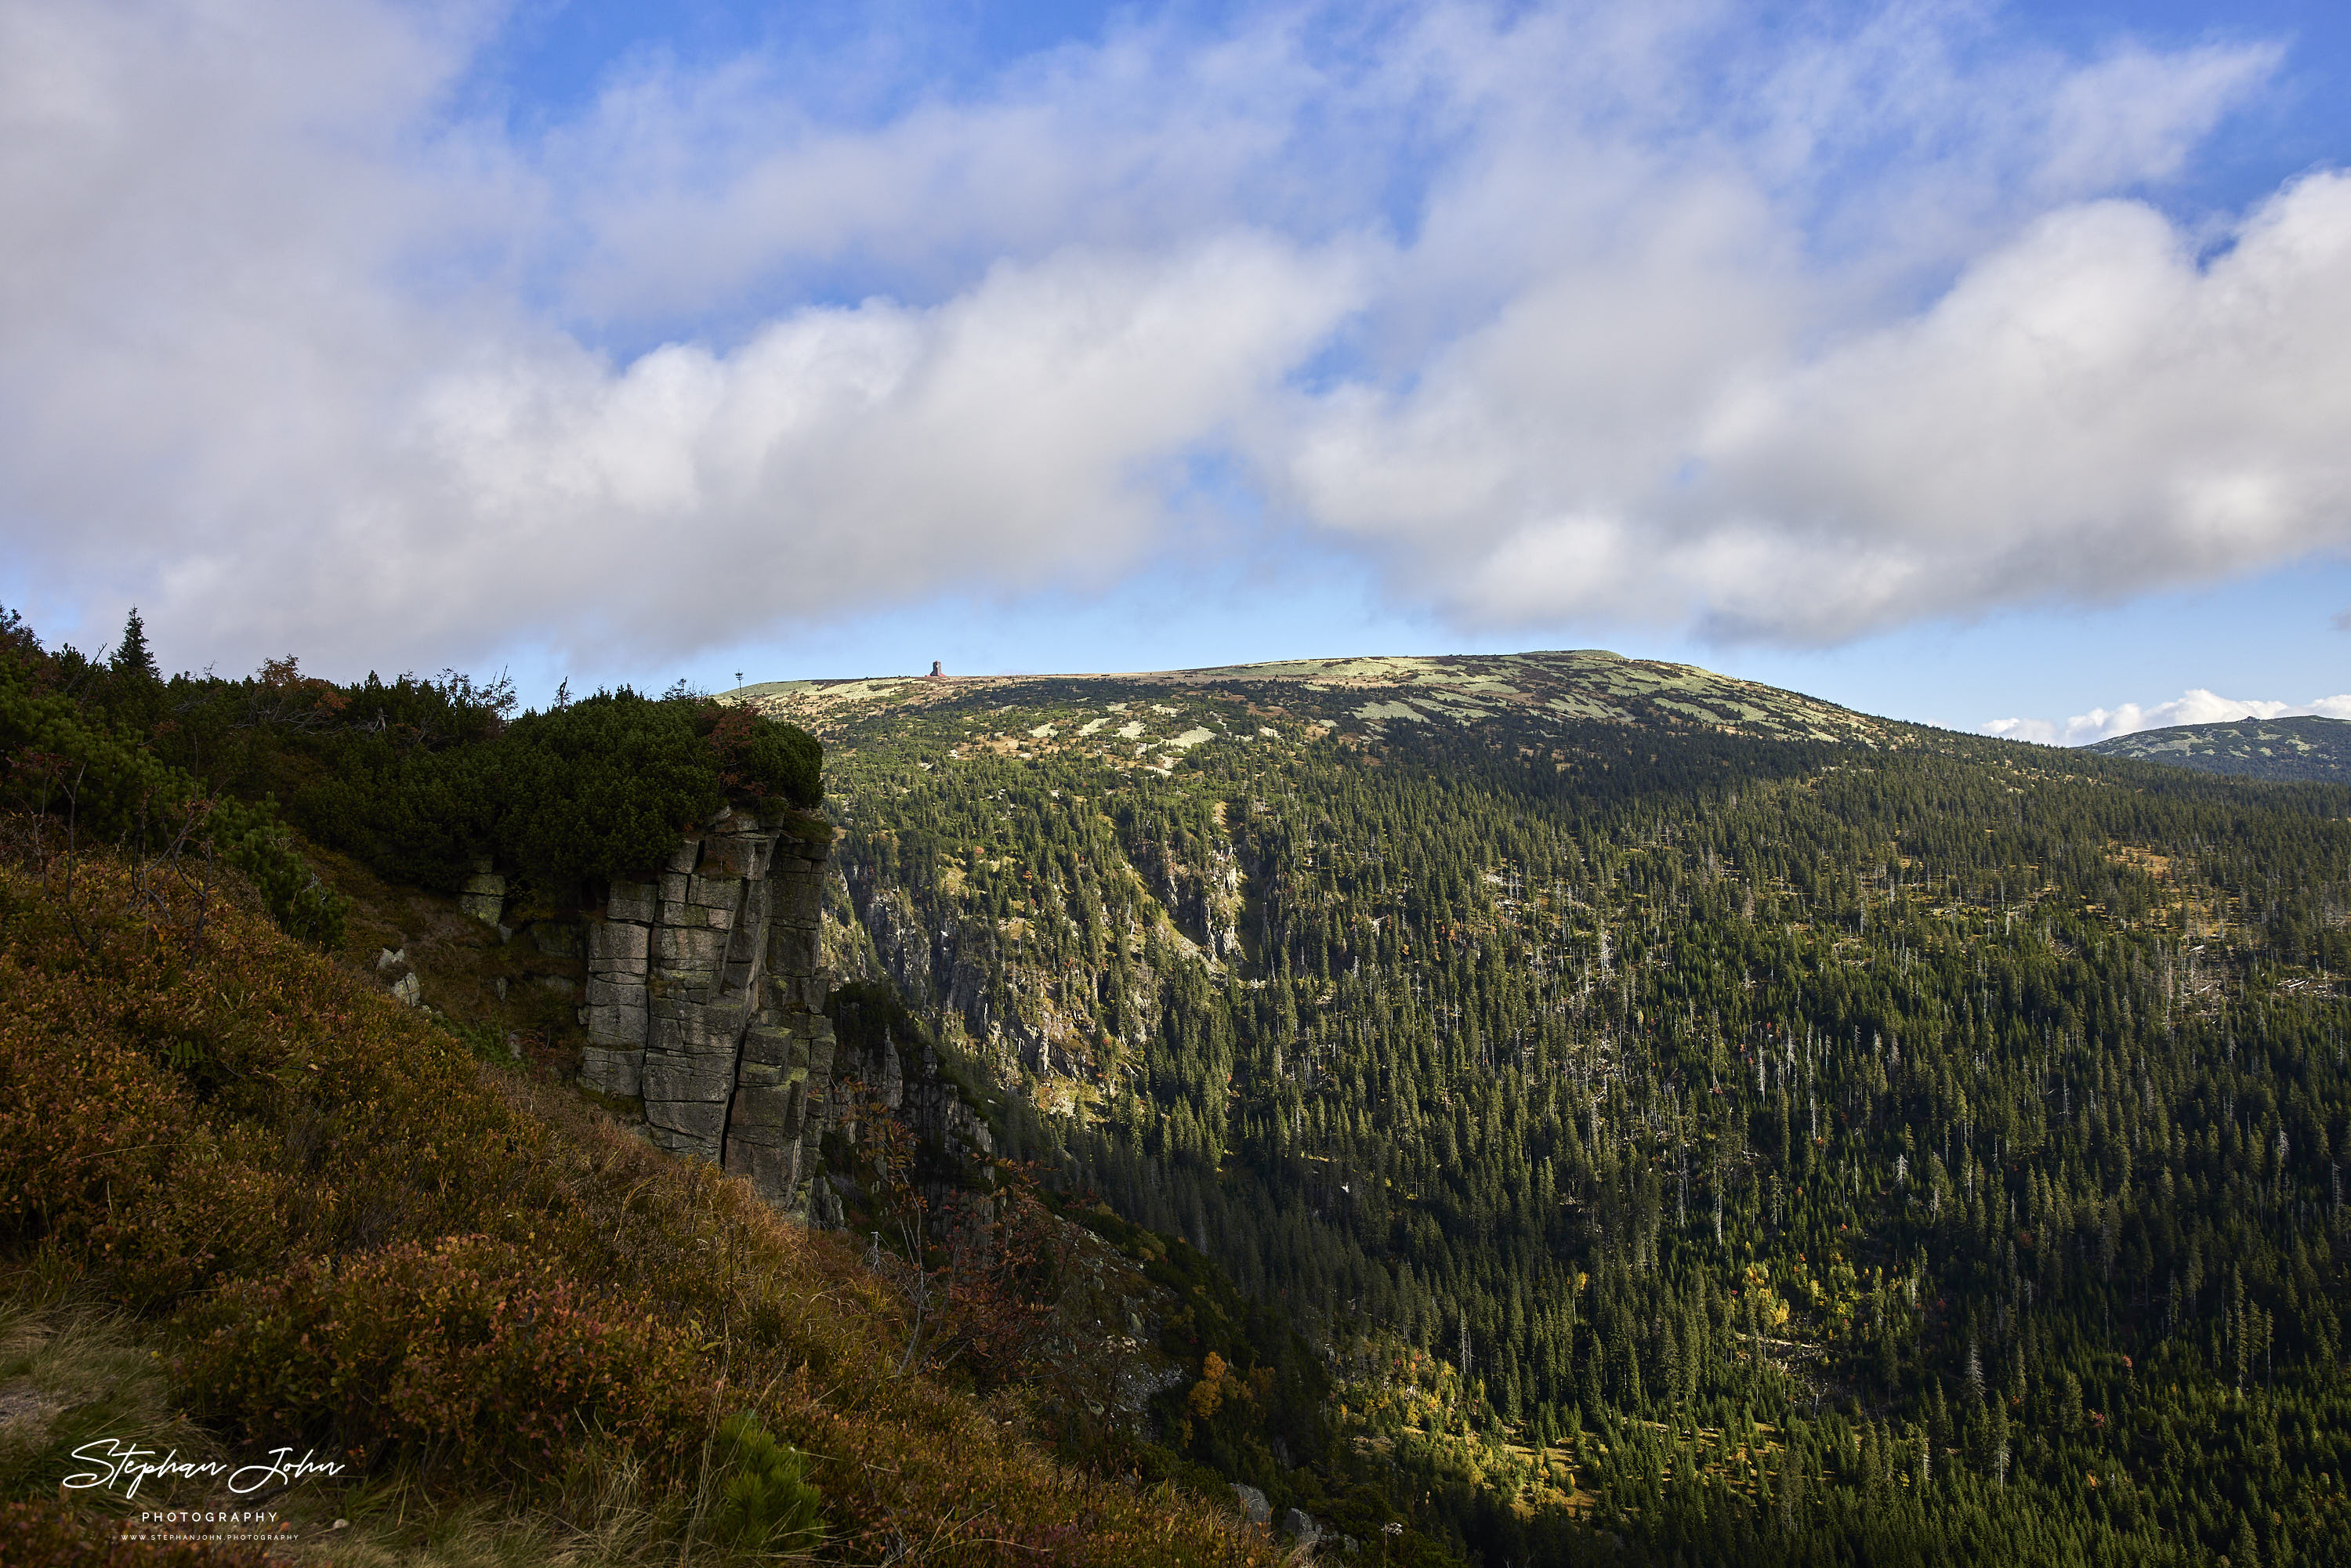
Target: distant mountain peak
2286,749
1548,686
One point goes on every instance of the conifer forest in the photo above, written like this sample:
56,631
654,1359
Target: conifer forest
1547,1108
1748,1141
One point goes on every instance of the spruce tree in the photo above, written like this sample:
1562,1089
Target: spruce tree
131,656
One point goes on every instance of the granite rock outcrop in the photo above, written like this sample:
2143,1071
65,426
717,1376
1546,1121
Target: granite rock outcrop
704,999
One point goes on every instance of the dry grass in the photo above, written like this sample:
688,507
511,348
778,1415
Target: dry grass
72,1370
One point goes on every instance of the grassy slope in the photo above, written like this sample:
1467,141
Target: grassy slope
192,1105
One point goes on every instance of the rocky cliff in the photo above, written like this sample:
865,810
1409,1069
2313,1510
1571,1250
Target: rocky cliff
707,993
1046,1030
706,999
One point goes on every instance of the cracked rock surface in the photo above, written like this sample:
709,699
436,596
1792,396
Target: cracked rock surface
705,1000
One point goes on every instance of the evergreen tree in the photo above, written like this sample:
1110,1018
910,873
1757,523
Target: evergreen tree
131,656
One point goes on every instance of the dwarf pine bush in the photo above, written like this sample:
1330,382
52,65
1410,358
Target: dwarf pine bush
767,1503
417,778
107,788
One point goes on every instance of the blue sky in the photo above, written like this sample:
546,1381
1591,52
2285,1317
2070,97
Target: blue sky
1969,363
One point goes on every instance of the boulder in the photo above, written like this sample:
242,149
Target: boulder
484,896
634,901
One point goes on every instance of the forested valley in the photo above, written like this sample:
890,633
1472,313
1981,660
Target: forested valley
1704,1142
1553,1108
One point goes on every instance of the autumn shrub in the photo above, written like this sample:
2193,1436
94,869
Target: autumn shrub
470,1351
173,1115
103,1150
268,1159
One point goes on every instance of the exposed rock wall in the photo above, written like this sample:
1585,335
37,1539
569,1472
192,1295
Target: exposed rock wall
1023,1020
705,1000
882,1063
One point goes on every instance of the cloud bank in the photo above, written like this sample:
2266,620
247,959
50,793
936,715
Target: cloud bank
1770,326
2195,706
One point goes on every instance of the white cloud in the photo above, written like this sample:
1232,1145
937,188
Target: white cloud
1688,415
2196,705
270,389
856,453
871,452
690,190
2138,114
1786,329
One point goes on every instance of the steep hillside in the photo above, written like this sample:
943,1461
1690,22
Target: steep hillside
252,1201
298,1159
2289,748
1760,1133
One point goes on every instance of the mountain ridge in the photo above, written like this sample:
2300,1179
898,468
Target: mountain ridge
1550,686
2306,747
1826,1112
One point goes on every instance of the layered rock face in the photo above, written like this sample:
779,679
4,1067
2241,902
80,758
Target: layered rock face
705,1000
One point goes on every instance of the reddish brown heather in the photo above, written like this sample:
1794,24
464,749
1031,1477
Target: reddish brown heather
351,1230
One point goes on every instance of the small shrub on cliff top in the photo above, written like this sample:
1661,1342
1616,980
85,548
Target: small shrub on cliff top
416,778
579,795
602,788
760,758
